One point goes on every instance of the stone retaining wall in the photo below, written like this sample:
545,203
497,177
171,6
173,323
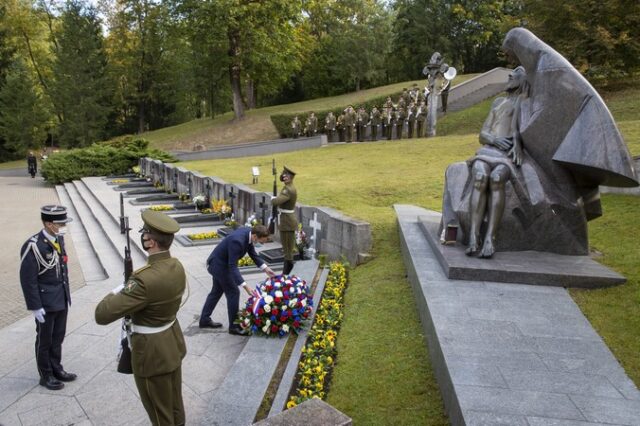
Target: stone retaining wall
336,234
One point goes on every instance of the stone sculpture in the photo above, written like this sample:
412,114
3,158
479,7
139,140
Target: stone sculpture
570,146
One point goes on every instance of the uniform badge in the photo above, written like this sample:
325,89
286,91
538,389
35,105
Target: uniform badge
49,256
130,285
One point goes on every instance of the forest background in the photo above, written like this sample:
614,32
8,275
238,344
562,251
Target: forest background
77,72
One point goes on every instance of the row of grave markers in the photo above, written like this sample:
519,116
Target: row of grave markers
331,232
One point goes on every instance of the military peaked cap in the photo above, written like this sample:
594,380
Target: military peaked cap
55,214
159,222
288,169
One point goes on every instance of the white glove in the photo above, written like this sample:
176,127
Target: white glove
117,289
39,314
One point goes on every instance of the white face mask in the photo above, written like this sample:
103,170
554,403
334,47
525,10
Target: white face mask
62,230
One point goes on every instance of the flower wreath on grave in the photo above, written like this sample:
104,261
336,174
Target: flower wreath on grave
200,201
279,305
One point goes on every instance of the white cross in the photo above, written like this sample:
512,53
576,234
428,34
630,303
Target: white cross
316,226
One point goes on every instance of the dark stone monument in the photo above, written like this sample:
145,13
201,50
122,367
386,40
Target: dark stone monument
547,190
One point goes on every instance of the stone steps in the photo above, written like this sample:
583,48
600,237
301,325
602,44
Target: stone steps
105,252
109,224
92,267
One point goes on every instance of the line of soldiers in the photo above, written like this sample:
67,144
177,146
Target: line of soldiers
390,122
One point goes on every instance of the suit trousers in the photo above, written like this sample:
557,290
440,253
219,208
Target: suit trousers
49,337
222,285
161,397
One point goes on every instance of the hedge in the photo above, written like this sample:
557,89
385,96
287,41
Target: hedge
113,157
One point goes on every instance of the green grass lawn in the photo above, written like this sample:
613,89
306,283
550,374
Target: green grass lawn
257,126
17,164
383,374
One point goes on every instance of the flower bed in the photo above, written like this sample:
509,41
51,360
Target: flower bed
278,306
161,207
319,353
246,261
203,236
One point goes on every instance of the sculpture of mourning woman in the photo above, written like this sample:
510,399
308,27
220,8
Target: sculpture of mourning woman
546,148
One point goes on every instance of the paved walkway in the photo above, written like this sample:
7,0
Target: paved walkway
100,395
20,211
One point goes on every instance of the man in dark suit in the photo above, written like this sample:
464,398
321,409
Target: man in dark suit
222,264
45,285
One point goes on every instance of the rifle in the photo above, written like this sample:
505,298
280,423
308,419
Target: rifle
274,209
124,358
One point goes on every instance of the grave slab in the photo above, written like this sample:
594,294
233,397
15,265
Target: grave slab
511,354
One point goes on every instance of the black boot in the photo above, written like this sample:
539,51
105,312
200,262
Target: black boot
288,266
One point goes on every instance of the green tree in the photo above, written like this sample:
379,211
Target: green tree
81,90
468,33
23,120
601,38
350,41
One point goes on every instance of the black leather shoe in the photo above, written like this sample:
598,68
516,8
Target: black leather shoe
63,376
210,324
238,331
51,383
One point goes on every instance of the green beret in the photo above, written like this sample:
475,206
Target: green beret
288,170
159,222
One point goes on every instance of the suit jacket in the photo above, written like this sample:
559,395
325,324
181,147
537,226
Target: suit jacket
223,260
152,297
50,289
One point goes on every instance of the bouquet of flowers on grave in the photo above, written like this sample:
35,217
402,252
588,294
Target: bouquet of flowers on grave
252,221
199,201
279,305
231,222
302,242
221,208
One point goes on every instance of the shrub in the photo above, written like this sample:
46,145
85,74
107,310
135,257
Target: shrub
105,158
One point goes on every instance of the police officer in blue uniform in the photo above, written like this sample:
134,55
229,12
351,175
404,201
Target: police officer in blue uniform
222,264
45,284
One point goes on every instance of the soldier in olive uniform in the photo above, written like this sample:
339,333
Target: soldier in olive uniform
406,97
349,123
312,124
287,221
421,118
152,297
375,121
400,119
363,120
295,127
412,112
330,126
340,127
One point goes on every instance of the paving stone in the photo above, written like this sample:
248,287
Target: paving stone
13,389
542,421
569,383
61,410
607,410
477,418
509,401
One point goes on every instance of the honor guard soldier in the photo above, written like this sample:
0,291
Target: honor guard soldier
152,297
287,221
45,285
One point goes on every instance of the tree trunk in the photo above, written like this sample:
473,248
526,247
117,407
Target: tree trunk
235,70
251,94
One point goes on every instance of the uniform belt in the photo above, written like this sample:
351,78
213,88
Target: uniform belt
143,329
285,211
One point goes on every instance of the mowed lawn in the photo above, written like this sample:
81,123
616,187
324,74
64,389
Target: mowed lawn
383,375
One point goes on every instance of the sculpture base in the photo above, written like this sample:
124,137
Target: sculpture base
521,267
